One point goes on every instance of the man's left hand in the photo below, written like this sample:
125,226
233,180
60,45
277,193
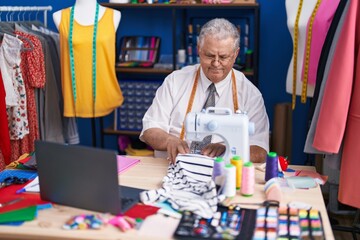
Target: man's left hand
213,150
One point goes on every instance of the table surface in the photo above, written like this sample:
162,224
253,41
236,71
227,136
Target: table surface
147,175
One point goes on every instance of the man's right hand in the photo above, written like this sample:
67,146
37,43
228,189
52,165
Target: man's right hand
175,146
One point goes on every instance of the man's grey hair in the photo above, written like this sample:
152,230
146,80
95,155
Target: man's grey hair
219,28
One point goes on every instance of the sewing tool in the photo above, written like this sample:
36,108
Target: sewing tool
13,180
233,128
218,170
4,204
248,179
229,186
271,166
237,162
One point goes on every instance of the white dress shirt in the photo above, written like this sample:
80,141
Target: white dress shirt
168,109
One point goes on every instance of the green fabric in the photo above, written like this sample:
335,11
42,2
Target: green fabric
24,214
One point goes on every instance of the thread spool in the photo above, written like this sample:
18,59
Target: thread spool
271,166
272,190
218,170
248,179
229,185
238,163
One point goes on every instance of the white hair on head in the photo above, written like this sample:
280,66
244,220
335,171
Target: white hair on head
219,28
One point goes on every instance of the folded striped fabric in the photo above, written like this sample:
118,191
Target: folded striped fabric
188,185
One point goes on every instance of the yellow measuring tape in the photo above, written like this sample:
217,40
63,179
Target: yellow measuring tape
295,49
307,56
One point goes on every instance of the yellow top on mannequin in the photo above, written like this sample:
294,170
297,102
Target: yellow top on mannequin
108,92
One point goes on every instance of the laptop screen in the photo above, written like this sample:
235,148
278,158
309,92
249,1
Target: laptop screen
78,176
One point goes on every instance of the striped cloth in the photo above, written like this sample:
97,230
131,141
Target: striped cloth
187,186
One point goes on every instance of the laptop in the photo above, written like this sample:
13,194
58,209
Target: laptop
82,177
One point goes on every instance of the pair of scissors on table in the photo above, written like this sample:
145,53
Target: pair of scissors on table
12,180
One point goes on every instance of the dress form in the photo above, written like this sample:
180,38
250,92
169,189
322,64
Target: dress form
305,14
85,13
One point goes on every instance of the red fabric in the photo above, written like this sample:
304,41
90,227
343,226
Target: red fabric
350,164
9,193
4,130
333,114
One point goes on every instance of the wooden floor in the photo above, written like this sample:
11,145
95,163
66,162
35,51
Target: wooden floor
346,221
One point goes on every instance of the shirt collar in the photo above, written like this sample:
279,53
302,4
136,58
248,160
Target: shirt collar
220,86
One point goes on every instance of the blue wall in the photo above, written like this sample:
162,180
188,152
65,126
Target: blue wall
275,55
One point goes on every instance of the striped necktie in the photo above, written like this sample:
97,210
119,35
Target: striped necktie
197,146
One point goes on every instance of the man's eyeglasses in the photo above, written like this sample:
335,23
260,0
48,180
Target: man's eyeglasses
223,60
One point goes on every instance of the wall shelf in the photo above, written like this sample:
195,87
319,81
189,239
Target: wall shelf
179,17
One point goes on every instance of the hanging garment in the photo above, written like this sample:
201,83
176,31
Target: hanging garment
108,93
320,27
33,69
339,122
350,165
4,130
17,115
326,58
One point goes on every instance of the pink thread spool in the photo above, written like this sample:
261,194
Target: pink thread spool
248,179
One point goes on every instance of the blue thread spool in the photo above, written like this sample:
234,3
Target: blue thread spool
271,166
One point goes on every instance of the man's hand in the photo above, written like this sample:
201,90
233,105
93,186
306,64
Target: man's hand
213,150
175,146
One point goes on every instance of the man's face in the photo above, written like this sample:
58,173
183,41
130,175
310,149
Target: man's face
217,58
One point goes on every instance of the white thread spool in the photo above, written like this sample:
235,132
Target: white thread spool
229,185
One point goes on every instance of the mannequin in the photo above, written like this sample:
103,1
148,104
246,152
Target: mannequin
87,54
84,13
292,7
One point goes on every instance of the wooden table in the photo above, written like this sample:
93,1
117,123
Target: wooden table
148,175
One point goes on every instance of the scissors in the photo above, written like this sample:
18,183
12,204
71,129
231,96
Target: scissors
12,180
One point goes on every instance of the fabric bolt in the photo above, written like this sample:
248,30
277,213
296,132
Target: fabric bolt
33,69
4,130
321,24
328,52
291,11
188,185
17,115
108,92
169,105
197,146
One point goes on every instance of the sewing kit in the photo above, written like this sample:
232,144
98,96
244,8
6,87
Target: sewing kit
268,222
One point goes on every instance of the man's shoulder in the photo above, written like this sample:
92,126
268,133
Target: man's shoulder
186,70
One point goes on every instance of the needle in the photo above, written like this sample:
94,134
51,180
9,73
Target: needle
11,202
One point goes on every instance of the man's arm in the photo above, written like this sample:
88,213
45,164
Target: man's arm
160,140
257,154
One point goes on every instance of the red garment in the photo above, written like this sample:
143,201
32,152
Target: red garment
4,129
350,164
339,118
33,70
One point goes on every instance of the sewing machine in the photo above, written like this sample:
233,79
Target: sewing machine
234,128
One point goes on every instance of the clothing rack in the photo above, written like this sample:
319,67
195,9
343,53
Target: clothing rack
20,9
